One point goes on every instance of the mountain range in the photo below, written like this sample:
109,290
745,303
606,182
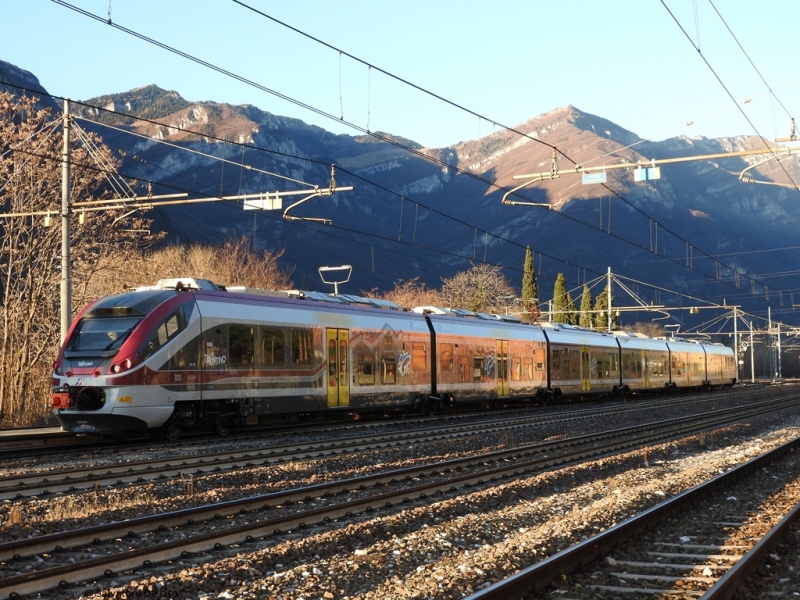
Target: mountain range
431,212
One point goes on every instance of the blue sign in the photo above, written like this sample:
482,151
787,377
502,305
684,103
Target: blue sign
594,178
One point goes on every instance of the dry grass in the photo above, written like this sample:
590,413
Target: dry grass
77,507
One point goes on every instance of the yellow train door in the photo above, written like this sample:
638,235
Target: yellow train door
586,384
338,367
646,368
502,367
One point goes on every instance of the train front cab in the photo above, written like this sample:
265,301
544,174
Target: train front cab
106,359
720,365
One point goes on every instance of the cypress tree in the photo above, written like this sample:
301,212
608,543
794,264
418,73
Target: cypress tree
586,308
601,311
530,293
560,301
572,310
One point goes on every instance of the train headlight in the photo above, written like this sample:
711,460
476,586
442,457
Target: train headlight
124,365
57,368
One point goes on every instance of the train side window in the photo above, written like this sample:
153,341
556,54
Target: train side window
516,369
527,368
556,360
388,370
366,369
419,357
167,330
613,359
566,364
272,346
185,358
215,347
446,357
302,346
242,342
463,368
477,368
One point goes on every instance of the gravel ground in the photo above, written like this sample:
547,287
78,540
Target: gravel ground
441,549
448,549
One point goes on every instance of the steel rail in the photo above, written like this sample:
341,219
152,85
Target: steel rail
74,479
729,583
542,573
48,542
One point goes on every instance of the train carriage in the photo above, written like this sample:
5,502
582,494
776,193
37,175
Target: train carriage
581,361
720,365
481,356
645,361
687,364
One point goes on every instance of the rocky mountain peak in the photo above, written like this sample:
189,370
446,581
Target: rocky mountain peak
15,76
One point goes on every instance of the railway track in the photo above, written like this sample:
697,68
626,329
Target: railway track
146,541
69,480
48,441
703,543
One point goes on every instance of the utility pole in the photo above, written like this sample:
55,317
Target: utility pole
772,366
736,342
609,299
66,210
752,356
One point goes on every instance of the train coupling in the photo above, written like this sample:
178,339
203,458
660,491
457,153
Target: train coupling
60,397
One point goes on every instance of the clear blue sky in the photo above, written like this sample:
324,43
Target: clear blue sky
625,60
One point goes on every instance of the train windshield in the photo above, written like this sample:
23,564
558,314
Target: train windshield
104,334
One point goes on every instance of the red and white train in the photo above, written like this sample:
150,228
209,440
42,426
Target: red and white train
187,353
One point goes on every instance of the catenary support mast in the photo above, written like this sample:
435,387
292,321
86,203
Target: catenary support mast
66,209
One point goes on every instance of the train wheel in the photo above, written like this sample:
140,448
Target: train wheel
225,422
223,428
172,433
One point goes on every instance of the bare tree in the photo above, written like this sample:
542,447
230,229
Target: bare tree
409,293
650,329
233,263
482,288
30,253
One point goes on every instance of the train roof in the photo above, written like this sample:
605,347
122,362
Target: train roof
464,313
182,284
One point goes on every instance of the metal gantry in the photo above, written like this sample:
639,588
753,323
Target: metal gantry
258,201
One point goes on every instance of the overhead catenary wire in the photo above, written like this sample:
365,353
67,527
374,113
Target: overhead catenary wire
730,95
750,60
456,105
416,204
283,154
357,127
493,234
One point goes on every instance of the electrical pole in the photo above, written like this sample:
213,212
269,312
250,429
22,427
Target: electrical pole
66,210
752,356
609,299
771,343
736,342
